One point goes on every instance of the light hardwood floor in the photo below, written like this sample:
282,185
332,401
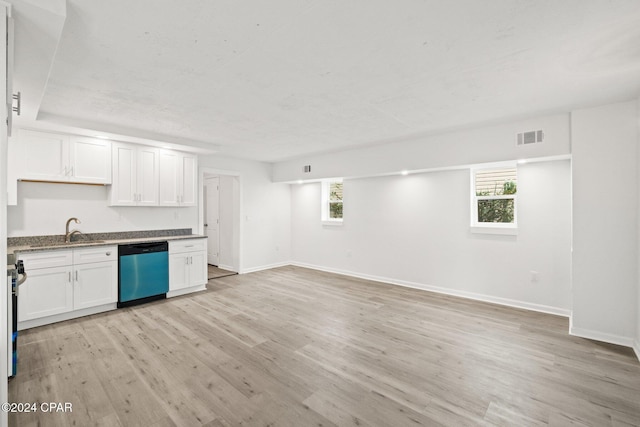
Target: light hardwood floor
296,347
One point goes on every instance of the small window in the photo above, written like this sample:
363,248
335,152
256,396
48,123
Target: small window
332,201
494,197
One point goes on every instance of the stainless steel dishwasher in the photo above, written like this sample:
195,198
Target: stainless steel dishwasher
143,272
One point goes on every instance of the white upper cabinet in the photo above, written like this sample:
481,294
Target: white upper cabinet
55,157
178,178
42,156
136,174
90,160
139,175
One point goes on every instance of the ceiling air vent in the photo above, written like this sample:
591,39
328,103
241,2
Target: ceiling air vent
307,169
532,137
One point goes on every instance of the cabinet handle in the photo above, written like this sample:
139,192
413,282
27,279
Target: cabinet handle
108,253
76,275
186,260
188,246
191,260
71,171
69,277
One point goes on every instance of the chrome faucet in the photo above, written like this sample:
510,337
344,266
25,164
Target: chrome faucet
68,234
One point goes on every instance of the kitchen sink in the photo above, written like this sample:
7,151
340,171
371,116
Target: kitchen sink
57,244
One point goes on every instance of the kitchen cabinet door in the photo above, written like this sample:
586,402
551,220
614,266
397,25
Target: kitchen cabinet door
179,178
148,176
123,191
197,268
169,162
90,160
42,156
178,272
135,175
95,284
188,183
46,292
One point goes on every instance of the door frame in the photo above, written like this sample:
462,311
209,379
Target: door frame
237,196
206,204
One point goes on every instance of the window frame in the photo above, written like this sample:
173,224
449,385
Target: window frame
509,228
326,201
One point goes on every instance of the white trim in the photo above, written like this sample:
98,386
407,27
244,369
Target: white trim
227,267
332,222
205,170
185,291
601,336
66,316
488,229
264,267
456,293
509,228
636,348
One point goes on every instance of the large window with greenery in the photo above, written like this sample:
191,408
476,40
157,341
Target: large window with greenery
332,201
494,197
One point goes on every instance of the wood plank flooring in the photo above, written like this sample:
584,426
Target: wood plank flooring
296,347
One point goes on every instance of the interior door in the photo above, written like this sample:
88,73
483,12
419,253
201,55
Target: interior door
212,219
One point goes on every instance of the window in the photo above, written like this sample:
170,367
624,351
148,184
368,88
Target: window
494,198
332,201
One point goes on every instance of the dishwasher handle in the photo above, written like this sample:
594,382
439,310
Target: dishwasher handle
142,248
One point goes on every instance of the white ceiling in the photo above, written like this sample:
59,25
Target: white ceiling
271,80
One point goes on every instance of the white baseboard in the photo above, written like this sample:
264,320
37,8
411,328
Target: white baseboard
26,324
602,336
462,294
636,348
264,267
226,267
200,287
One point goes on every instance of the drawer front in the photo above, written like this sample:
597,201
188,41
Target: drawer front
188,245
46,259
99,254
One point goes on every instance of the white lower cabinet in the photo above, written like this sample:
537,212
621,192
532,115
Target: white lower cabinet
95,284
187,266
47,291
65,284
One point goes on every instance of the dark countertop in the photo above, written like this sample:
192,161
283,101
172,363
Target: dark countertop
56,242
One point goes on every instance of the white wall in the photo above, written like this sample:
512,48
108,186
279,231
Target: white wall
265,213
636,345
465,147
43,208
414,230
605,222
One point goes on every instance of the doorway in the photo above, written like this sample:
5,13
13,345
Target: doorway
212,218
220,219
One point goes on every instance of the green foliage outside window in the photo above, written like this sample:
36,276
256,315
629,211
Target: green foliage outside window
497,210
335,210
335,200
